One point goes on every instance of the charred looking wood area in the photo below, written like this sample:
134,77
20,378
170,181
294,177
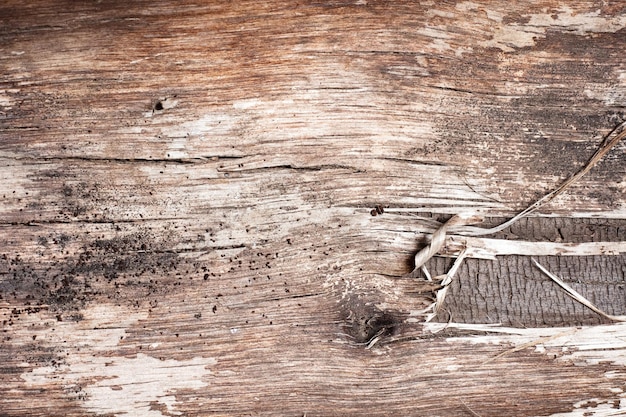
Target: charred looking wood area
208,208
512,291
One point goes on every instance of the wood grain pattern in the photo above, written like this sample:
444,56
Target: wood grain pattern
185,202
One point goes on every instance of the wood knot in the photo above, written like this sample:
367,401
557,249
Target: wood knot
366,322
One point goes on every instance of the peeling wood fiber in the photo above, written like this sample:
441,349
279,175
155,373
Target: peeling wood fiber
187,190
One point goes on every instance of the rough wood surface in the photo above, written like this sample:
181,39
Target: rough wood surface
185,204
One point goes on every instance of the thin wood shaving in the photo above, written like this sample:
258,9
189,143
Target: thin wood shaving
445,282
576,295
485,248
607,144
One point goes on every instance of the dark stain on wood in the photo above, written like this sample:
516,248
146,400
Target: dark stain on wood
364,321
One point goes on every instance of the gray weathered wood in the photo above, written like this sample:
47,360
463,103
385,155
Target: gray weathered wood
186,191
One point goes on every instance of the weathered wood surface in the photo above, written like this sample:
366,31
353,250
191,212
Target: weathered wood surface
186,193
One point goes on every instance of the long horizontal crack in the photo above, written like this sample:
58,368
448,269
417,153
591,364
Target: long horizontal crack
415,161
190,160
292,167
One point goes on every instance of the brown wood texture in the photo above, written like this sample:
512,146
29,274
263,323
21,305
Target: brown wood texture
185,201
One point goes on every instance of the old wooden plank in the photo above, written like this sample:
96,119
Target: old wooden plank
186,194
